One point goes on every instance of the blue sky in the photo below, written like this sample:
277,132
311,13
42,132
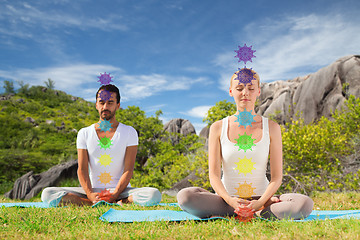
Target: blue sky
177,56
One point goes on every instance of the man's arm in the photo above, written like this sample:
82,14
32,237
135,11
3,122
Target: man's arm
83,175
129,163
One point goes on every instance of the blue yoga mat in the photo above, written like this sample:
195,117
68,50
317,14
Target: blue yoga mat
113,215
25,204
45,205
128,216
336,214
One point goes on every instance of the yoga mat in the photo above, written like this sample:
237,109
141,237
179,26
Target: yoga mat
25,204
45,205
336,214
113,215
128,216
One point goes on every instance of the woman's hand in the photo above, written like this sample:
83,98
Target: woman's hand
255,205
236,202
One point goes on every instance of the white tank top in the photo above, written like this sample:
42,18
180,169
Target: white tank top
244,173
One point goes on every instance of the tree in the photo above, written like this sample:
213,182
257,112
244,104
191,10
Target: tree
219,111
50,84
9,87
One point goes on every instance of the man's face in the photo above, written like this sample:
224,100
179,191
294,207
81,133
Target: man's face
108,108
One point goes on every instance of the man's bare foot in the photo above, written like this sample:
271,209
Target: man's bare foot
71,198
125,200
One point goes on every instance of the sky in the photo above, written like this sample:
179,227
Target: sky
173,56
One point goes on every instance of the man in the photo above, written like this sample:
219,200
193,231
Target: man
106,158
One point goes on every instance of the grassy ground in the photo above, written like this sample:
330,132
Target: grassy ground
83,223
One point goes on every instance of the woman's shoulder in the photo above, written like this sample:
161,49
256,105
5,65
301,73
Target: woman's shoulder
274,127
216,126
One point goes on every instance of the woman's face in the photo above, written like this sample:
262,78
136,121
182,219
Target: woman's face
244,95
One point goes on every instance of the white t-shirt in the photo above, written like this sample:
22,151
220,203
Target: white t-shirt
106,163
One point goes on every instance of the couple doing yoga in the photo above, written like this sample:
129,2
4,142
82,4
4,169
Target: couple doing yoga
238,158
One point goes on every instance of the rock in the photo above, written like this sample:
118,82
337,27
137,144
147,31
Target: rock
50,122
6,97
184,183
29,185
74,98
178,125
30,120
20,100
312,96
44,89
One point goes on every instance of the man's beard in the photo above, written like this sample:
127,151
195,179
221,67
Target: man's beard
109,116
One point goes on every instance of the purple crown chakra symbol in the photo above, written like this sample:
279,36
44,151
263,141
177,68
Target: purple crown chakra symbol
105,79
245,53
105,95
245,76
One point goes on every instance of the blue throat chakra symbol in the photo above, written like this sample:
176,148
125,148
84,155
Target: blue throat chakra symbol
245,54
105,79
105,126
245,118
245,76
105,95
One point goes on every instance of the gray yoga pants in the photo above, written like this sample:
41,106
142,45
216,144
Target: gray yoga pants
203,204
145,196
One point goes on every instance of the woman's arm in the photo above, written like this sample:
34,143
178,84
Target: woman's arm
215,167
276,168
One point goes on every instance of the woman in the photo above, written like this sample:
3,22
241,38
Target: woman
242,144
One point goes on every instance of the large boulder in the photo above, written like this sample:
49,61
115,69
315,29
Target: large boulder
181,126
30,184
312,96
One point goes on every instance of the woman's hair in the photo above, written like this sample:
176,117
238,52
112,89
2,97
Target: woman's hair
250,72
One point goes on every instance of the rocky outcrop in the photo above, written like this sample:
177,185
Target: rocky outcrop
29,185
312,96
178,125
181,126
184,183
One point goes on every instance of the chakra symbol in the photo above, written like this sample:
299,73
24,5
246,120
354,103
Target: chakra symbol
245,118
245,76
105,95
245,165
245,53
105,160
245,142
105,143
105,125
105,79
245,190
105,178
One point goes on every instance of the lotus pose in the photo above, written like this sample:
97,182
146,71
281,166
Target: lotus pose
239,149
106,158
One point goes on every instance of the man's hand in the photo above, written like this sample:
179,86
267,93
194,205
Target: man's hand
93,197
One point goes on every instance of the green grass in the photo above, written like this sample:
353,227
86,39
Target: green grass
83,223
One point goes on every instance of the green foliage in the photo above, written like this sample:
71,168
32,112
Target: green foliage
219,111
50,84
171,163
316,154
9,87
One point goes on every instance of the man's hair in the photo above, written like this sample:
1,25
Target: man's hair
110,88
256,76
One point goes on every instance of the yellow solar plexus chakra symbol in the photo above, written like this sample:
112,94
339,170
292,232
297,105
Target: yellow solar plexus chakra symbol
105,178
105,160
245,165
245,190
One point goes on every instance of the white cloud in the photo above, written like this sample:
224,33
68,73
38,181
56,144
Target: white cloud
294,46
21,19
142,86
198,112
81,80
